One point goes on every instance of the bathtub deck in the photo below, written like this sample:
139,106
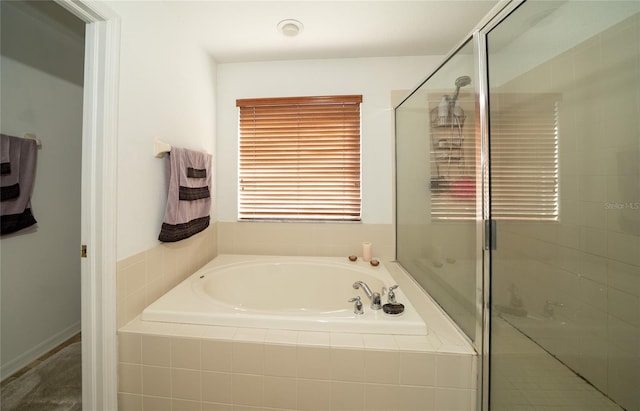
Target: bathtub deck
165,366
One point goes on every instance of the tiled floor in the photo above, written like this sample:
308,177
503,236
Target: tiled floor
527,378
74,339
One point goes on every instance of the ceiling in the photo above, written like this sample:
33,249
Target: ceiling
243,31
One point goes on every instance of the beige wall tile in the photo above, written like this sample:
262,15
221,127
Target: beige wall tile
130,348
130,378
185,353
126,262
247,358
330,377
216,387
347,396
280,360
184,405
212,406
412,398
454,371
314,362
382,367
216,355
129,402
134,277
156,381
379,397
248,390
146,276
451,399
347,365
417,368
156,350
156,404
305,238
314,395
280,393
186,384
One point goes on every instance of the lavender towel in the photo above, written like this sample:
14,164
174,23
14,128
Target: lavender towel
17,183
189,194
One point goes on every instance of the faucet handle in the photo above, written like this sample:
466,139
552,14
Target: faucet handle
391,296
357,307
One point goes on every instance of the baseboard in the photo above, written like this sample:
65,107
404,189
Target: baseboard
24,359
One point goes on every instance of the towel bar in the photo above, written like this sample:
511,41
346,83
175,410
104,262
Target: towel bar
32,136
160,148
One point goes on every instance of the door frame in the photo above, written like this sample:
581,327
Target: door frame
99,203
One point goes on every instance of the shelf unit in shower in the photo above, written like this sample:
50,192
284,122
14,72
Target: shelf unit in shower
447,144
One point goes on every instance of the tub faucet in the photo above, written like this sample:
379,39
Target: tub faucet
373,296
548,310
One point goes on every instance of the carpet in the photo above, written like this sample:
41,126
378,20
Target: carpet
53,385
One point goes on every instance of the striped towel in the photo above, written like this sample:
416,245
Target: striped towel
17,175
189,194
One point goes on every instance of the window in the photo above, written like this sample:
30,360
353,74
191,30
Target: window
299,158
524,156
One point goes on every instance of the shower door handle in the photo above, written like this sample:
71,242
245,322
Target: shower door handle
490,235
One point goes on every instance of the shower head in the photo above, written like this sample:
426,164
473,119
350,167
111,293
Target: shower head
461,81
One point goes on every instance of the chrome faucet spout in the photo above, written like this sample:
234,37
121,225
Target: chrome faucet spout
373,296
365,287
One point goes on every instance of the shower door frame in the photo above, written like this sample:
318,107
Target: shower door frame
485,234
480,33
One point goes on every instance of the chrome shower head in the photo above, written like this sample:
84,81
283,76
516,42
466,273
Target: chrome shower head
463,81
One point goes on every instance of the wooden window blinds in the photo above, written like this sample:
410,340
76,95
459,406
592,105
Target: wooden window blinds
524,156
299,158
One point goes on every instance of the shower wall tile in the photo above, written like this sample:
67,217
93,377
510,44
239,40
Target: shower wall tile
144,277
595,273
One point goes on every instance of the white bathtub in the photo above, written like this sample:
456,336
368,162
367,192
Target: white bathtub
291,293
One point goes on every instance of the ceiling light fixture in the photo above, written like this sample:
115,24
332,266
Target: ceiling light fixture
290,27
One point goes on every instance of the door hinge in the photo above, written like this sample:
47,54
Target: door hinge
83,251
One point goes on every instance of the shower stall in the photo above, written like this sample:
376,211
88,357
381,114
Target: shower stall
518,201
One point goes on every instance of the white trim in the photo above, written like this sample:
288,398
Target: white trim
45,346
99,205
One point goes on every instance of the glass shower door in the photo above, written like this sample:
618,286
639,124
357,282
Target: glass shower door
564,130
437,163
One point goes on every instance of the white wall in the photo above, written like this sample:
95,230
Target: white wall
374,78
167,91
42,77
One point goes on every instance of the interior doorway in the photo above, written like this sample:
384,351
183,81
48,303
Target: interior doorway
98,210
42,59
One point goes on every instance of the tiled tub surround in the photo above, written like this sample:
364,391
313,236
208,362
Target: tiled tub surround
308,239
194,367
144,277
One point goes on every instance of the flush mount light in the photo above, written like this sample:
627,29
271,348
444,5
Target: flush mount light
290,27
